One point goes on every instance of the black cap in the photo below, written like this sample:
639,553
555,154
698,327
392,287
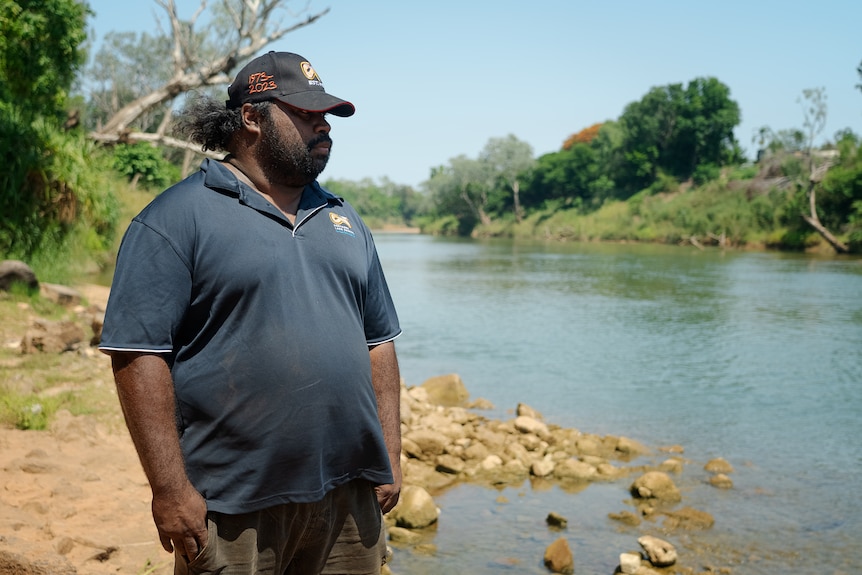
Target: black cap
287,77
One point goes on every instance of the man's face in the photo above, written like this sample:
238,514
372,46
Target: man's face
295,145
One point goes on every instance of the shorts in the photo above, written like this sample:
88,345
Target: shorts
341,535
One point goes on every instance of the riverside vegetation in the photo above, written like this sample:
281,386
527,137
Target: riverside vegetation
70,470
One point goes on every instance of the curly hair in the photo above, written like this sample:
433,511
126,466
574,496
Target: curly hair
209,123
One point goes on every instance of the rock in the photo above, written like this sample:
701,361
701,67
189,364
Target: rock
430,443
482,404
629,563
52,336
656,485
721,481
96,324
542,468
659,552
630,447
688,518
556,520
19,557
415,508
15,271
450,464
626,517
558,557
575,469
60,294
524,409
527,424
671,465
718,465
446,390
491,462
403,536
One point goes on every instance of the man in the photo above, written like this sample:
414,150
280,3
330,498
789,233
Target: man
251,334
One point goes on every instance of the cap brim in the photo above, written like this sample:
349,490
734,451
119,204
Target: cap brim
319,102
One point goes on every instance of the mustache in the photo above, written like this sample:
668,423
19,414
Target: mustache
319,139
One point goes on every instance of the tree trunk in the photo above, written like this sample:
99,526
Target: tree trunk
814,222
519,213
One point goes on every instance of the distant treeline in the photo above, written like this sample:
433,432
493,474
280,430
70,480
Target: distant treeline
667,170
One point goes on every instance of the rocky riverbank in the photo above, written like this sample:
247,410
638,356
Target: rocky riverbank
75,501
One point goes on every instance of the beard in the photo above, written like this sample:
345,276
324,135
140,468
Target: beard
290,162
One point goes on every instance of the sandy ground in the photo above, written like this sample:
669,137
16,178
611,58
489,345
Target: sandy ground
77,493
74,499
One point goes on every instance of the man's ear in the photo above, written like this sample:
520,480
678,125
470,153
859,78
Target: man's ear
251,118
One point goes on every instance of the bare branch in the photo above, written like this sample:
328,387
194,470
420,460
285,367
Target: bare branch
253,22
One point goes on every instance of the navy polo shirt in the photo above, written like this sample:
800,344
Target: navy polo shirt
266,327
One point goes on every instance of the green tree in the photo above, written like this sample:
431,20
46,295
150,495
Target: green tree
505,160
40,53
44,189
379,203
677,130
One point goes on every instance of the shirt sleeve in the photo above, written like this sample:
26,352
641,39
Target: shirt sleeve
150,293
381,319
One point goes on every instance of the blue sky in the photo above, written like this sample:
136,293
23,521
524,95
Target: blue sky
434,80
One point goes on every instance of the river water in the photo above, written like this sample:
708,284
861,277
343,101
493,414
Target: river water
753,357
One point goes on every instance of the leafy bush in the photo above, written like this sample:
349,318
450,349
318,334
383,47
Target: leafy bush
143,162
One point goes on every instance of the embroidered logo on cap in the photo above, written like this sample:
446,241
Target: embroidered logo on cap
309,72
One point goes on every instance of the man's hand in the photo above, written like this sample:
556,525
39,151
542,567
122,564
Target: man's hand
388,494
181,518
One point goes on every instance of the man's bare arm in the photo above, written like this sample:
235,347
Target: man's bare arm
146,394
386,378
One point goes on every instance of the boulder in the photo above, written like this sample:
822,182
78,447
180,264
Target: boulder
556,520
447,390
659,552
527,424
52,336
656,485
19,557
524,409
629,563
60,294
558,557
415,508
718,465
542,468
575,469
721,481
431,443
15,271
450,464
688,518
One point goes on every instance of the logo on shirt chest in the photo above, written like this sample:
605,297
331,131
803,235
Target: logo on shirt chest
341,224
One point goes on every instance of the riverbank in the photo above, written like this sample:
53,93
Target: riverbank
75,497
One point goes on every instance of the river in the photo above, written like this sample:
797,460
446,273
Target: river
753,357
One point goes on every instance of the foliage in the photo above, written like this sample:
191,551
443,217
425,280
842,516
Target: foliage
50,184
839,199
585,136
40,53
678,129
476,190
379,203
142,161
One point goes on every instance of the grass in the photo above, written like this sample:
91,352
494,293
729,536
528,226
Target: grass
34,387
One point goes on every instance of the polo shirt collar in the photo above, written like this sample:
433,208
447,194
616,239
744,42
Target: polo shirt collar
218,177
